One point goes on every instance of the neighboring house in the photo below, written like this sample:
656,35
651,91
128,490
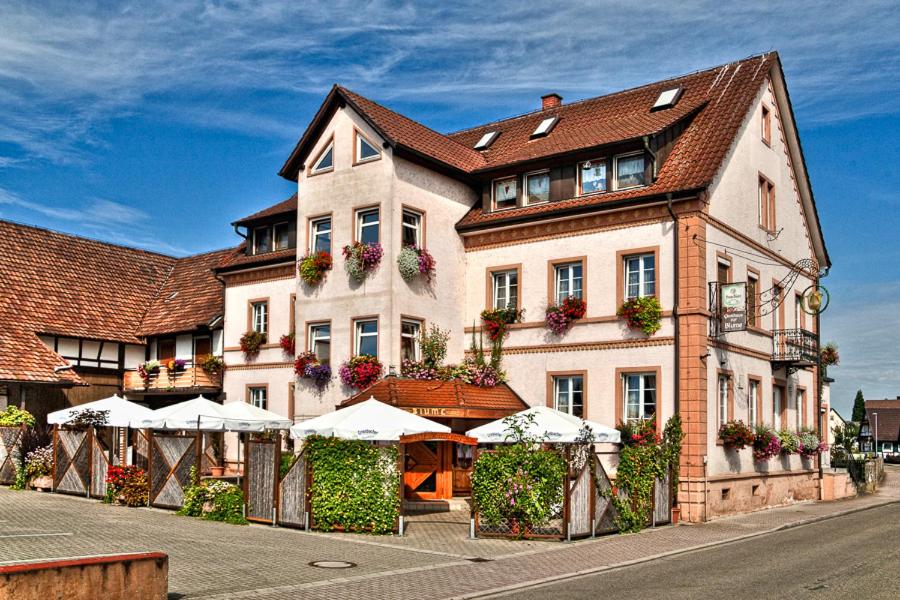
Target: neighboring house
665,190
834,420
77,317
884,419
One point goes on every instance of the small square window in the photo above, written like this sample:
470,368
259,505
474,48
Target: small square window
320,342
506,193
320,235
537,187
640,396
367,338
409,339
630,171
506,289
568,281
258,397
568,394
640,276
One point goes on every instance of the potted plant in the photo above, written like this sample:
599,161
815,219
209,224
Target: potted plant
38,468
176,365
361,259
313,267
287,343
251,343
307,366
147,369
414,262
217,469
212,364
790,442
498,320
736,435
559,317
810,444
360,371
829,355
644,313
766,443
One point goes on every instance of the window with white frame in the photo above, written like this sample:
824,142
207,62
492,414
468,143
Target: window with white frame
753,401
506,289
640,396
798,311
592,176
505,193
365,150
367,226
640,276
268,238
723,400
325,162
259,316
409,339
537,187
412,228
777,400
258,396
568,281
320,235
366,337
320,342
568,394
630,171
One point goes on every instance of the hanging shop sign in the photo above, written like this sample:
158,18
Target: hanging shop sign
815,299
734,306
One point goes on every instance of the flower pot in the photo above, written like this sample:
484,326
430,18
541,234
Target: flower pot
45,482
217,471
676,515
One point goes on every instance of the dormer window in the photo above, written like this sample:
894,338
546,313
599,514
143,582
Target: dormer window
592,176
262,240
269,238
365,150
537,187
630,171
486,140
506,193
325,162
667,98
544,127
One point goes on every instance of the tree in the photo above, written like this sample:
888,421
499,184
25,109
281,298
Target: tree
859,407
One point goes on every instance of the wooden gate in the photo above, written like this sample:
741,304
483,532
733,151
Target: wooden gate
172,455
100,457
604,510
72,461
427,474
261,478
581,501
662,500
292,494
140,442
9,444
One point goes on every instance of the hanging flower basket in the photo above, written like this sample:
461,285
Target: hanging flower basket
287,343
498,320
176,365
360,371
313,267
736,435
212,364
790,442
251,342
307,366
145,370
829,355
415,262
559,317
810,444
644,313
361,259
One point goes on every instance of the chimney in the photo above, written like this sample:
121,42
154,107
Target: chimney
552,100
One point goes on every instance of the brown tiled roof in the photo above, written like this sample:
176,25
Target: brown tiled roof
238,258
888,419
284,207
190,297
416,393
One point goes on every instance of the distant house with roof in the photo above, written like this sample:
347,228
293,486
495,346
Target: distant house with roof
884,420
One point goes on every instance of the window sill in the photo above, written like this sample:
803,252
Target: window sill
321,172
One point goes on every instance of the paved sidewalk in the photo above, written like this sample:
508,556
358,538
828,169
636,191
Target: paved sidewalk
215,560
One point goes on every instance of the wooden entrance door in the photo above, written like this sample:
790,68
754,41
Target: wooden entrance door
427,473
202,349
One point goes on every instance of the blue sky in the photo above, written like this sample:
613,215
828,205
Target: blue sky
156,124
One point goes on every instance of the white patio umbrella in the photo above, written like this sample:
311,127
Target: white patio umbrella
369,420
198,413
549,425
241,416
120,412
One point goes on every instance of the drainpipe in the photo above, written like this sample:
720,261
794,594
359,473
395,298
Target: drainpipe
646,140
675,296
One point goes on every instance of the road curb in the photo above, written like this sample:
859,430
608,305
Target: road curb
637,561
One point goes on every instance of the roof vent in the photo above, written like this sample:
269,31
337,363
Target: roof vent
486,140
545,127
667,98
552,100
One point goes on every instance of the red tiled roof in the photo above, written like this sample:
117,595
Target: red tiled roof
237,257
284,207
190,297
416,393
888,419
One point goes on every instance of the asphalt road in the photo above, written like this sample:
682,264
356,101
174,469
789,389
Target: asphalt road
853,556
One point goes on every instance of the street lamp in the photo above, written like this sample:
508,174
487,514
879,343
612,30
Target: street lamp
875,414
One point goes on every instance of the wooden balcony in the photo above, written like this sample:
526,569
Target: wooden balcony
188,380
794,348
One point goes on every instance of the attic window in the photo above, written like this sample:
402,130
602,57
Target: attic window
668,98
486,140
325,162
365,150
545,127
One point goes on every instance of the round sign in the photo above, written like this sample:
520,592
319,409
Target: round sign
815,299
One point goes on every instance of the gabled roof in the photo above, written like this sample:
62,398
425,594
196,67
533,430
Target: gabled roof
888,419
285,207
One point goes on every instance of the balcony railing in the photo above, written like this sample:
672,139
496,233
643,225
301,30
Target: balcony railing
797,347
189,378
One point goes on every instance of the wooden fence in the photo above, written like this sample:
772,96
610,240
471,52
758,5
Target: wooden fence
172,456
271,498
9,445
72,464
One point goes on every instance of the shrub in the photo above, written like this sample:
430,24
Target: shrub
639,467
498,320
560,317
214,500
361,259
127,485
251,342
766,443
433,344
413,262
287,343
360,371
87,418
638,433
642,313
39,462
734,434
354,485
790,442
313,267
13,416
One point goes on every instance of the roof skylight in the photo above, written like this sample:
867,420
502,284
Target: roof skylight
667,98
545,126
486,140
